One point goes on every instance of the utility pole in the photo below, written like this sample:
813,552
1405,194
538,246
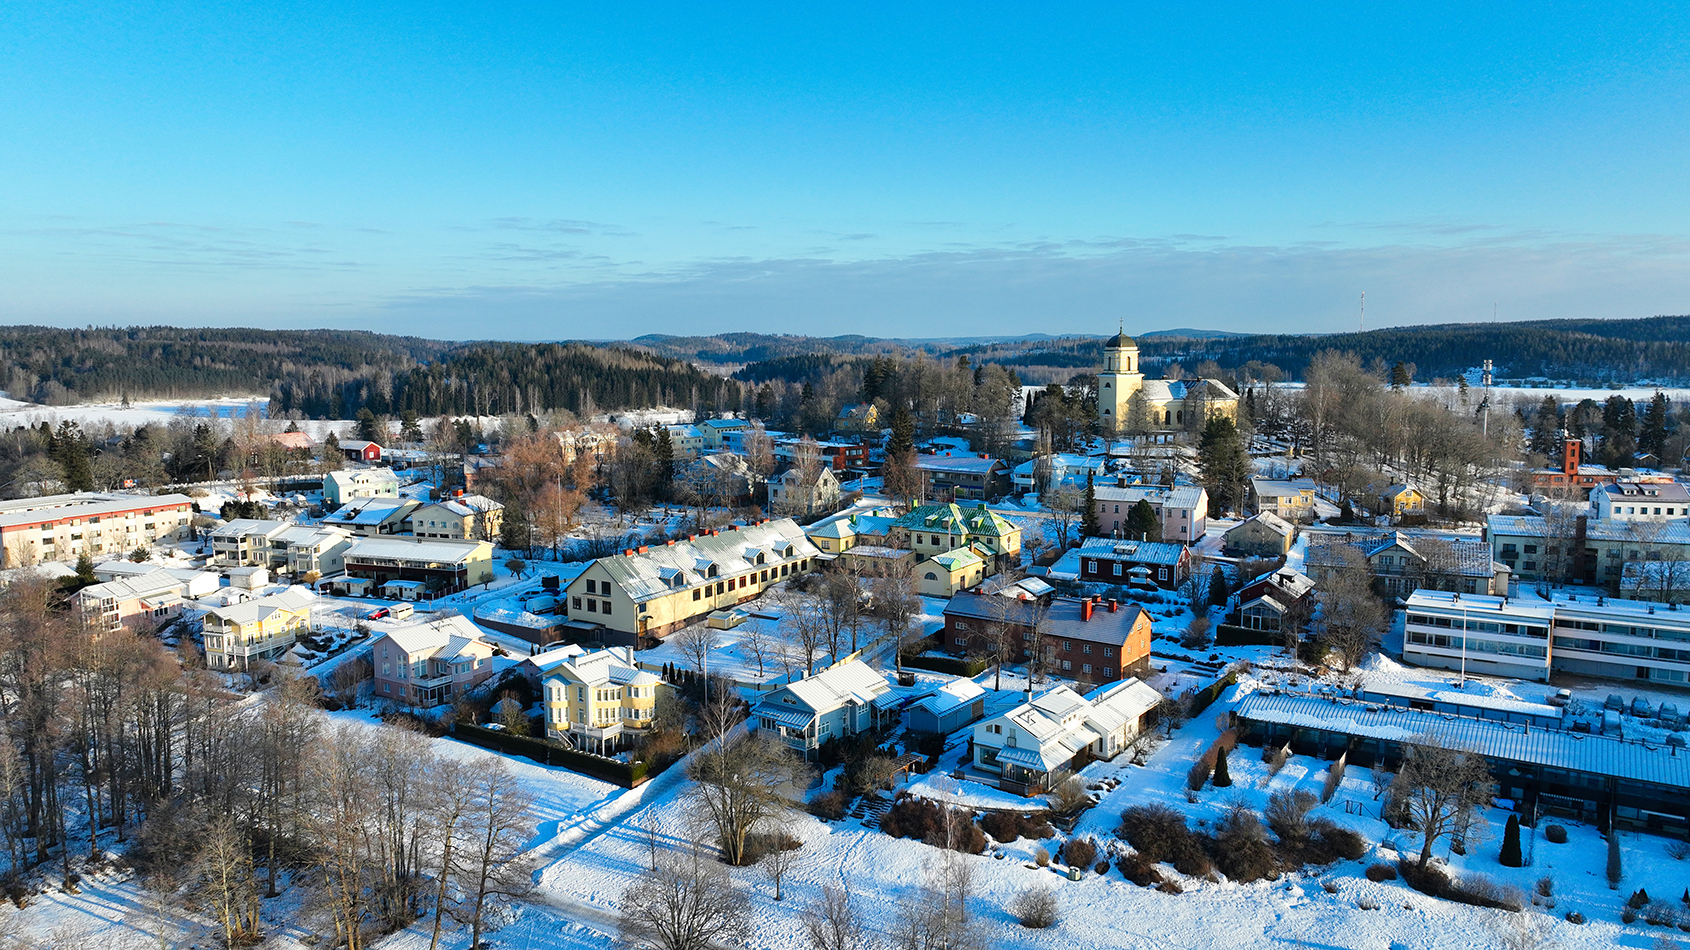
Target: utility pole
1484,404
1361,324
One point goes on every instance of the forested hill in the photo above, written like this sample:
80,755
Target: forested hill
1591,350
500,378
335,373
57,366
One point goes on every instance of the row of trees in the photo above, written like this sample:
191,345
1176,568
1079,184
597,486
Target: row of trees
107,738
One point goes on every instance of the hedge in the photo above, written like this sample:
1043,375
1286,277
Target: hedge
1232,635
1212,692
548,753
947,664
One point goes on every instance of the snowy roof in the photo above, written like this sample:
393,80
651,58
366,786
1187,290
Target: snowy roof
953,694
1634,760
642,576
832,688
1179,496
724,423
959,559
1281,487
249,528
953,518
372,510
153,584
1410,691
1671,492
1143,552
1479,604
27,511
357,444
612,666
443,639
466,505
401,548
1661,532
293,599
370,476
972,464
1469,557
1268,520
1064,722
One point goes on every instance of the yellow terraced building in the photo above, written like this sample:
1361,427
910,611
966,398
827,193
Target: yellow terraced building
594,700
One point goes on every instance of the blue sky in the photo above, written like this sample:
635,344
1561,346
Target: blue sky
558,171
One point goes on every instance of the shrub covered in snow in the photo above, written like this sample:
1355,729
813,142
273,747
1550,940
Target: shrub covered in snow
1007,826
1036,908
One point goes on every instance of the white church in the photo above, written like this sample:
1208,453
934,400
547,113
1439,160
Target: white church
1126,401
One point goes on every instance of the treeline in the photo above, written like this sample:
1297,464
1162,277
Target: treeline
58,367
1590,350
108,743
505,378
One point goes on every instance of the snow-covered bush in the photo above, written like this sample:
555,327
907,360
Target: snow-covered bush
1036,908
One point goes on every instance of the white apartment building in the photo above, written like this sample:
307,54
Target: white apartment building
1531,637
65,527
1641,501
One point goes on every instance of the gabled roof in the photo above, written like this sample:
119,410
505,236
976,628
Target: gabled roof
734,551
1063,722
832,688
1268,520
294,599
465,506
368,476
612,666
403,548
249,527
1179,496
953,518
972,464
445,639
1143,552
157,583
961,692
374,510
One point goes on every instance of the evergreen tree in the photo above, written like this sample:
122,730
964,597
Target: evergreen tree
367,428
1222,778
1653,435
1224,463
1143,524
1401,376
410,427
1088,524
902,439
1218,587
85,568
1619,432
663,460
1511,844
1546,428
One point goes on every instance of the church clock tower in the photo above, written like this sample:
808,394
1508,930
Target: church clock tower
1118,381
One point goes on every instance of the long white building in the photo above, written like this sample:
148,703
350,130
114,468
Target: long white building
1530,637
65,527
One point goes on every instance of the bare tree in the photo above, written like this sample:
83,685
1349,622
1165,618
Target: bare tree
781,853
228,883
449,810
742,786
833,922
892,589
807,623
497,829
686,904
1067,506
1351,617
695,643
756,640
1440,789
938,918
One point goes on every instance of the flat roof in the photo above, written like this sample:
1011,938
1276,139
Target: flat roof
1631,759
27,511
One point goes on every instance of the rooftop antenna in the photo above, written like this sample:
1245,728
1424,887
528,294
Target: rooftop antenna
1361,325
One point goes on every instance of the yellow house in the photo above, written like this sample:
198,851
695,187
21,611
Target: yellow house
937,529
261,629
651,590
594,700
1399,500
943,575
843,532
475,517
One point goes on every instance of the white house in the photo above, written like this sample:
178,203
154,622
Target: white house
833,704
1036,745
343,486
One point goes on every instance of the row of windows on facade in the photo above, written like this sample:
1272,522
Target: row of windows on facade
607,695
1183,513
1161,572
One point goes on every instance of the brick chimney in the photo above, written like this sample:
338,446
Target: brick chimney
1085,610
1114,606
642,549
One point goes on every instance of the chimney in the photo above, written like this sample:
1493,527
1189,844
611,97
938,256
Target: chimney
1114,605
1120,481
1085,610
669,543
984,455
627,552
643,548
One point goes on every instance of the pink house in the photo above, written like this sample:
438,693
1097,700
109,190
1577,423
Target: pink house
1183,510
430,664
141,602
